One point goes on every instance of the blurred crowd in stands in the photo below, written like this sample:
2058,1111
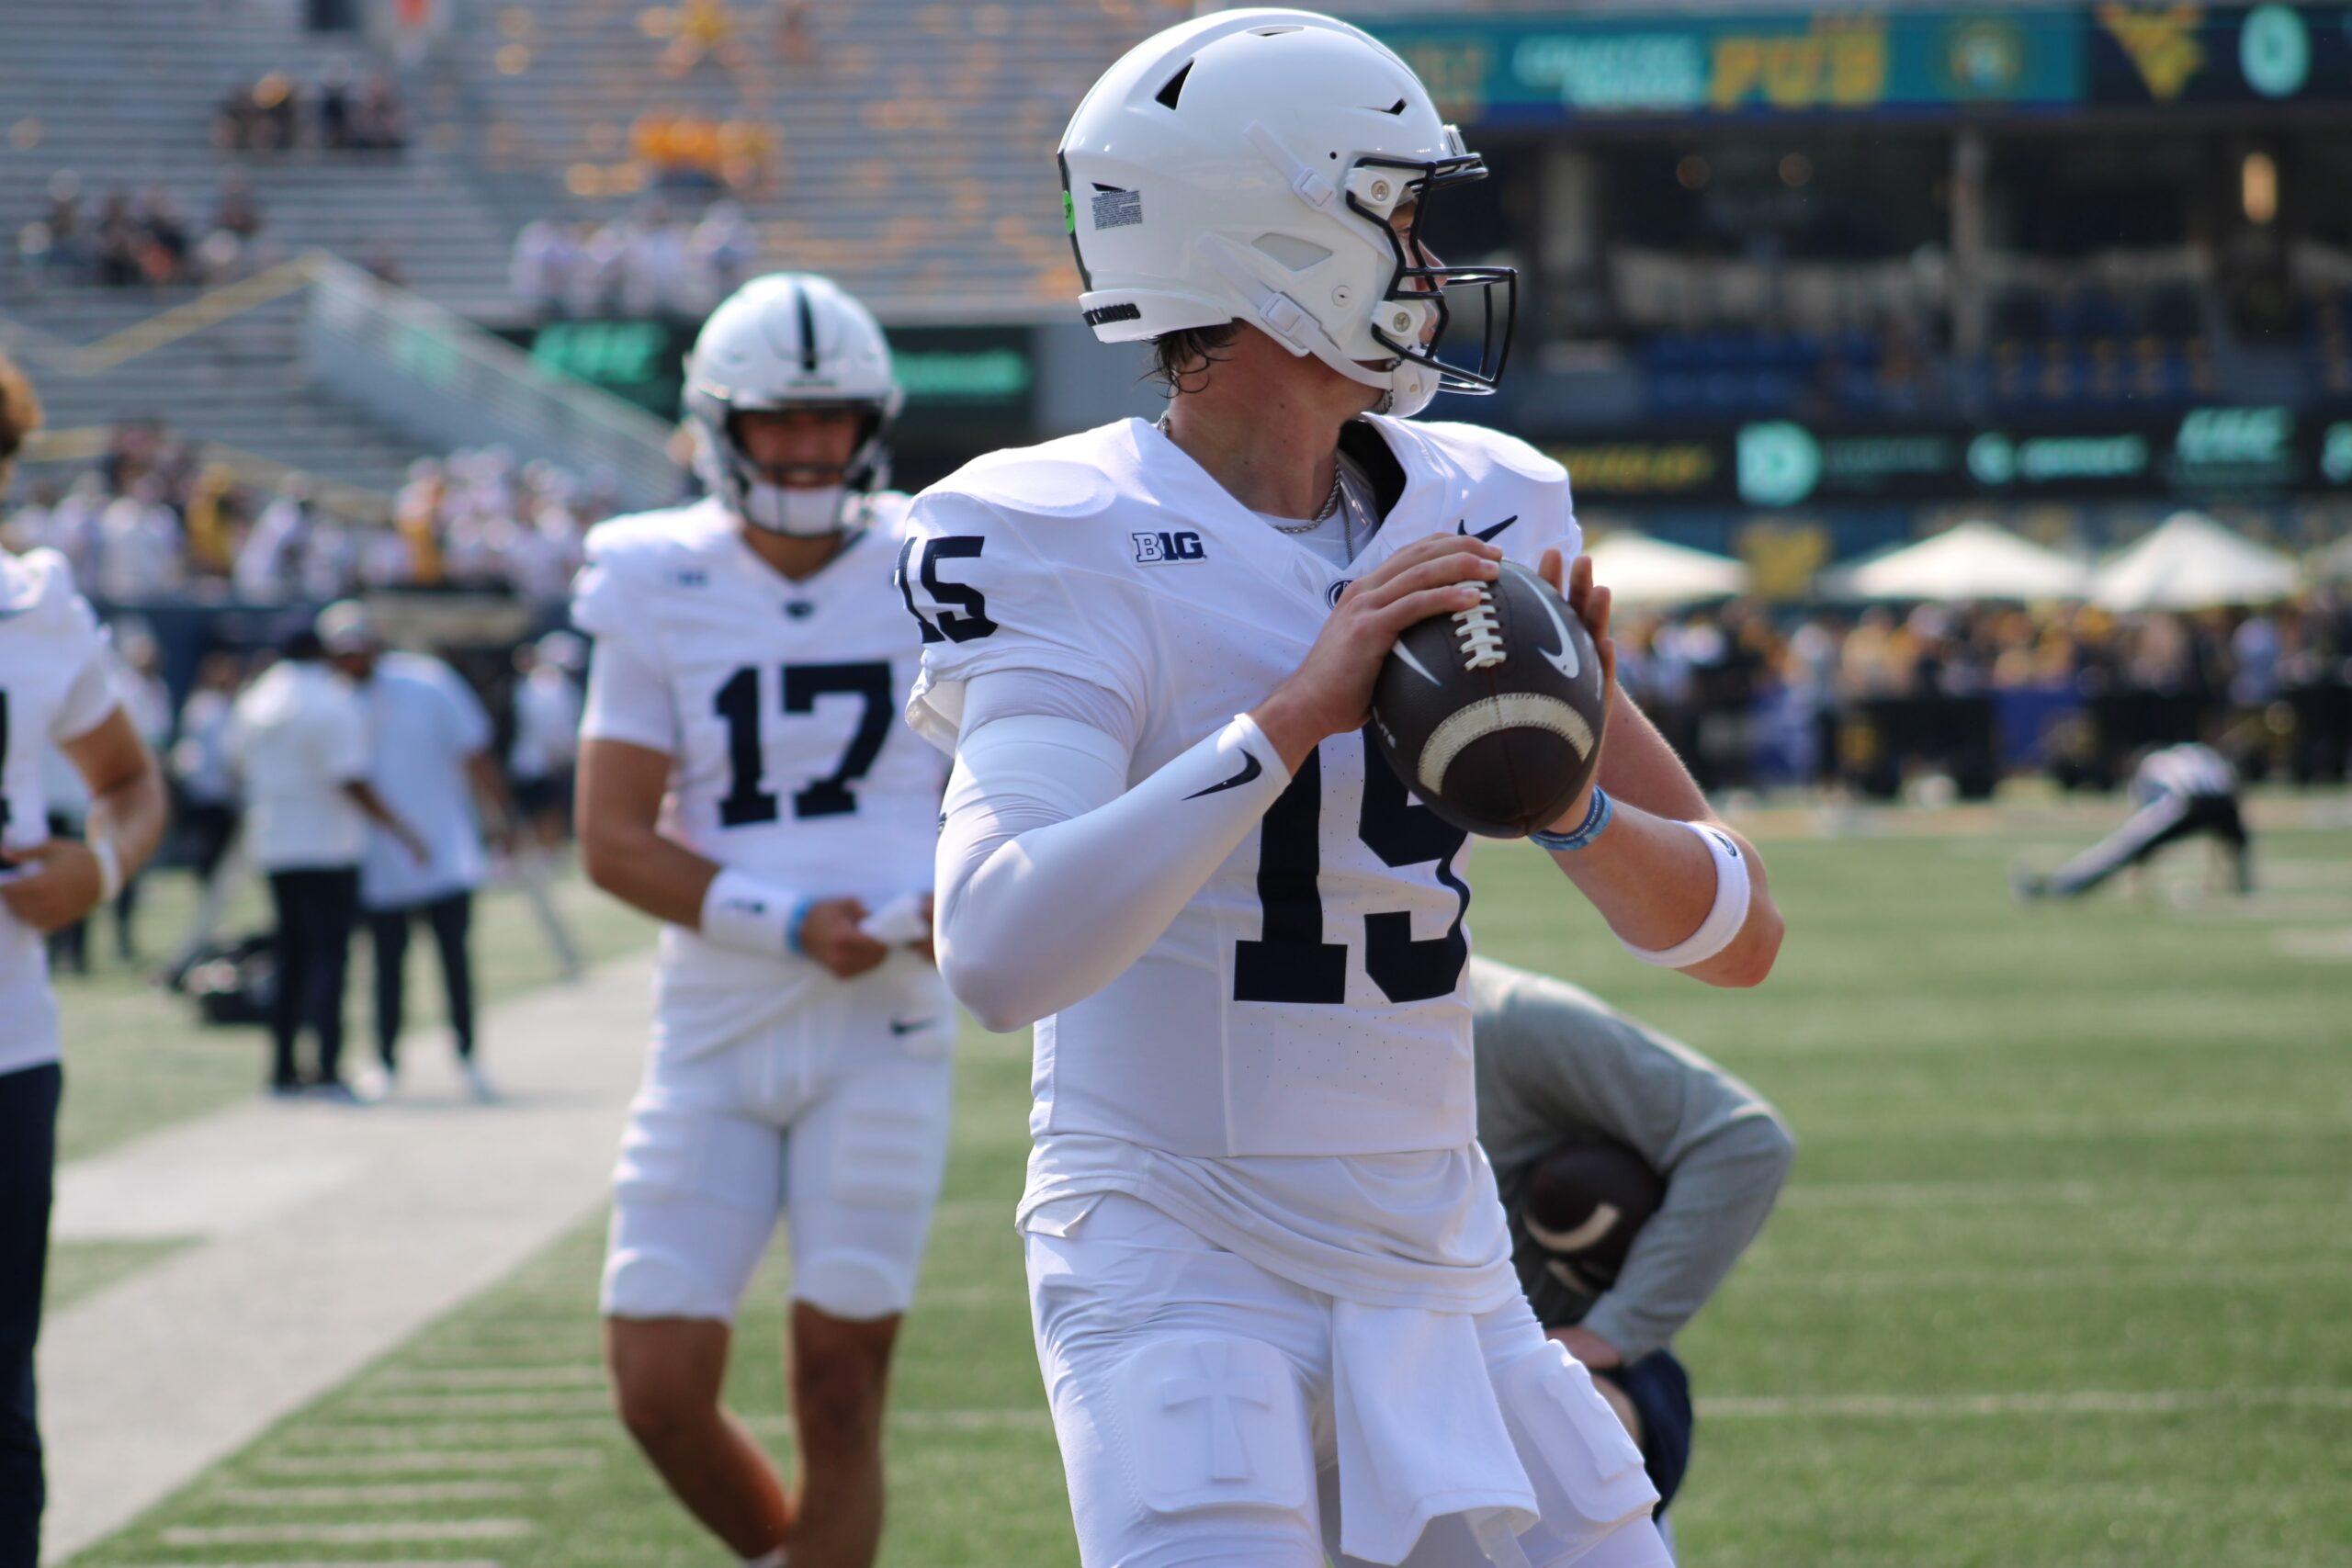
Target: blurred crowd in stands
128,239
1754,699
646,264
152,520
341,112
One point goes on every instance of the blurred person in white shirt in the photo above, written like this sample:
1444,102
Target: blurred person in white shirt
546,733
300,741
139,552
429,760
148,701
270,556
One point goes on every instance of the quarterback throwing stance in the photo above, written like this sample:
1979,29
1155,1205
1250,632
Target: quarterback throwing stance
743,776
56,689
1271,1280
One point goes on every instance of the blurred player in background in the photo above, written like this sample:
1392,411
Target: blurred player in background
428,758
1634,1172
2182,792
547,737
56,690
743,776
1270,1278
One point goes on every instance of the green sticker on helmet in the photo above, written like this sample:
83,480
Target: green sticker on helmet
1069,214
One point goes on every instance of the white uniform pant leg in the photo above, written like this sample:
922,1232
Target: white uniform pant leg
695,1192
1184,1383
863,1165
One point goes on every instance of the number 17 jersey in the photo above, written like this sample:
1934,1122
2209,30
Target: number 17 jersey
778,704
1310,1000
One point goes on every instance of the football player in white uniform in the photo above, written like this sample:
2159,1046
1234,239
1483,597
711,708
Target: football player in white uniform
1271,1280
744,776
56,690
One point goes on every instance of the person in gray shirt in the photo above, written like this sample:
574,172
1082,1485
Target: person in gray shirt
1559,1070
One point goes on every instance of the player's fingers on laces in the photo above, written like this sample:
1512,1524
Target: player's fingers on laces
1453,566
1422,550
1392,619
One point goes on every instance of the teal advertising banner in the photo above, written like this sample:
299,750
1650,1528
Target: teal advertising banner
1912,64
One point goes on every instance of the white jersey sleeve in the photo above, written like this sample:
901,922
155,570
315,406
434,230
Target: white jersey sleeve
628,699
999,568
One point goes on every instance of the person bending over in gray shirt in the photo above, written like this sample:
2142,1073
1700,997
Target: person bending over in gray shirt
1592,1119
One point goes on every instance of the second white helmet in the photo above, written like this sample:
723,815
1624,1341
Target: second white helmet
1247,166
791,340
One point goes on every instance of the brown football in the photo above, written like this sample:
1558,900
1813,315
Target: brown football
1492,716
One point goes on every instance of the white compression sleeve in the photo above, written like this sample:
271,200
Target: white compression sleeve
1053,876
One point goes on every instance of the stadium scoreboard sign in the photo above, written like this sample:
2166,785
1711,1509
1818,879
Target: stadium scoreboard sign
1914,63
1775,463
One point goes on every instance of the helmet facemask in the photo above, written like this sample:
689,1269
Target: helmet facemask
1376,186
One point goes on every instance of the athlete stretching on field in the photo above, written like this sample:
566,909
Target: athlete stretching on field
1270,1278
745,778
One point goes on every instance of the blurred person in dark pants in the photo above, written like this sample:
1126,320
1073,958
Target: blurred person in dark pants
429,759
300,738
206,782
2181,792
57,695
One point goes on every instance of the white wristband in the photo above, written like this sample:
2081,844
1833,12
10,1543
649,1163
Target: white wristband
109,861
742,912
1723,921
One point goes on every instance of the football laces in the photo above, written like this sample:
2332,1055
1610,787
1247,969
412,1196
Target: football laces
1480,636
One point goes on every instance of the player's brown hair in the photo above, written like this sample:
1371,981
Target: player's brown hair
1181,360
19,415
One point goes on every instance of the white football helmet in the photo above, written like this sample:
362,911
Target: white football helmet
1245,165
791,340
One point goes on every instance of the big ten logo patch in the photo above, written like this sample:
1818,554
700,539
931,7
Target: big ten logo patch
1154,549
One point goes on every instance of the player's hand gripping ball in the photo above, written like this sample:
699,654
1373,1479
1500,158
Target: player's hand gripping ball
1492,716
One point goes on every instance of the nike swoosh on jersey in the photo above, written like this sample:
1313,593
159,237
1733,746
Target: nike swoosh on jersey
1483,536
1604,1219
900,1026
1565,660
1251,769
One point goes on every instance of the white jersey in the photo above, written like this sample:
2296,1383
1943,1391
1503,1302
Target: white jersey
55,686
778,704
1312,999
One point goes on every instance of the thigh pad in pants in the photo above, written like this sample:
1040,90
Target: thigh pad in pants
862,1167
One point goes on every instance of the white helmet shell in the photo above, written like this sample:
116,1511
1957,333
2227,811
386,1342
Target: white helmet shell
790,340
1245,166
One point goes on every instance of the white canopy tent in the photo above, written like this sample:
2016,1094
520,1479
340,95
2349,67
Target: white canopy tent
2194,563
2332,564
1644,572
1974,560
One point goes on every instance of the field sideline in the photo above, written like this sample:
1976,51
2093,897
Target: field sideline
2059,1279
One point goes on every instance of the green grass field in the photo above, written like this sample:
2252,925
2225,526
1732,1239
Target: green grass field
2061,1282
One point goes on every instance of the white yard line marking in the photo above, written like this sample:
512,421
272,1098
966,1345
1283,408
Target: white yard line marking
568,1375
364,1436
2330,945
402,1495
409,1461
2050,1402
357,1535
2231,1190
2090,1275
561,1404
